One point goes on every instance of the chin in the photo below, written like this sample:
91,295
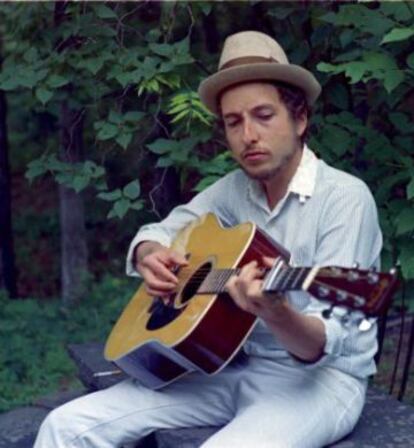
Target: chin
264,174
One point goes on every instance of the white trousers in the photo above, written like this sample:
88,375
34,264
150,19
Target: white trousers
263,404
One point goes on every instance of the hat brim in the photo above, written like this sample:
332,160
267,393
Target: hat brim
211,87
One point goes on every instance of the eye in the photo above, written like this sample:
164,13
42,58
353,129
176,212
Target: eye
231,123
266,116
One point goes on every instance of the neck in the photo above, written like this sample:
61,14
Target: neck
276,187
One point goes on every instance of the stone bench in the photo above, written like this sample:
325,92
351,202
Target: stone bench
385,421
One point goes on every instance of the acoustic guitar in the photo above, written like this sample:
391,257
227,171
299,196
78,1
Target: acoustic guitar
201,328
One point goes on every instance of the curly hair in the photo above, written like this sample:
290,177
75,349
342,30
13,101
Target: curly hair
294,99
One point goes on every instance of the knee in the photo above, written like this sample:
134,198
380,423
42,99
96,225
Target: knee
56,430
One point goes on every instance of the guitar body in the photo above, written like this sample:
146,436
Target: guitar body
156,343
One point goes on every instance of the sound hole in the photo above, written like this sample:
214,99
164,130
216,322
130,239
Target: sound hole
191,288
161,314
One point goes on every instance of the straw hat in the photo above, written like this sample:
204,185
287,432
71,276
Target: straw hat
254,56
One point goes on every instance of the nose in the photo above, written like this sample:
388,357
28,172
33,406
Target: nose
250,134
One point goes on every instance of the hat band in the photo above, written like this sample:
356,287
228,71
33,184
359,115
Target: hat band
246,60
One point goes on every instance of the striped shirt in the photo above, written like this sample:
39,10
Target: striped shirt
326,218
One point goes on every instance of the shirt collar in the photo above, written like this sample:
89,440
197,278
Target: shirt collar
303,181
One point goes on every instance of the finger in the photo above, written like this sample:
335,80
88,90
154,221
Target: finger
248,273
165,296
177,258
154,282
158,268
230,284
254,291
268,261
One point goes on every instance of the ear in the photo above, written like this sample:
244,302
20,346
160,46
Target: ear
302,123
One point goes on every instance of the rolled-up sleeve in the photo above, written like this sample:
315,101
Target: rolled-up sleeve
349,234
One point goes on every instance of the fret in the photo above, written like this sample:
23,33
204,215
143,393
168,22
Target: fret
288,279
301,276
285,279
216,280
224,275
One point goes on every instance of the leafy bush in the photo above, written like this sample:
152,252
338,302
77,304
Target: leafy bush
34,335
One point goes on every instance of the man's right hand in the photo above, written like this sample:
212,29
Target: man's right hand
155,263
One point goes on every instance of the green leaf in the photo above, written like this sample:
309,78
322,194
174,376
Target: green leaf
115,117
104,12
43,95
93,65
164,162
280,12
134,116
121,207
107,131
35,168
360,17
410,189
64,178
205,182
401,122
110,195
397,34
355,70
132,190
126,78
206,7
8,83
124,139
338,96
80,183
405,221
346,37
56,81
137,205
184,113
161,49
397,9
31,55
162,146
392,79
407,259
410,61
378,148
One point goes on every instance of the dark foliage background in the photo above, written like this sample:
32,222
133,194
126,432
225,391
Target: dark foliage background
105,132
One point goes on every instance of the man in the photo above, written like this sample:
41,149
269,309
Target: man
304,378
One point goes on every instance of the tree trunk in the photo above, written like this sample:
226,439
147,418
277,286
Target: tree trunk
74,252
8,278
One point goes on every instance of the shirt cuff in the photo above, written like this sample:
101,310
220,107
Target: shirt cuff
335,335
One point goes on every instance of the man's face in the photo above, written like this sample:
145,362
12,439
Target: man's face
259,129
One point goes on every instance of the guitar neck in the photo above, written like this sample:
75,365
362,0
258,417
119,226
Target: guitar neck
284,279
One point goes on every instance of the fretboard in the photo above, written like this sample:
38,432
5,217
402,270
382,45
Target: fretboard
287,279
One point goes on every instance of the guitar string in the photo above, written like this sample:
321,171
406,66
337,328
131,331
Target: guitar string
254,248
222,280
224,274
259,244
323,272
200,273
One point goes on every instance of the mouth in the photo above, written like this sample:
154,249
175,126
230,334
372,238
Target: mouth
254,156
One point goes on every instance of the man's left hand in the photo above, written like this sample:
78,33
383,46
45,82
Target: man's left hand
246,291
